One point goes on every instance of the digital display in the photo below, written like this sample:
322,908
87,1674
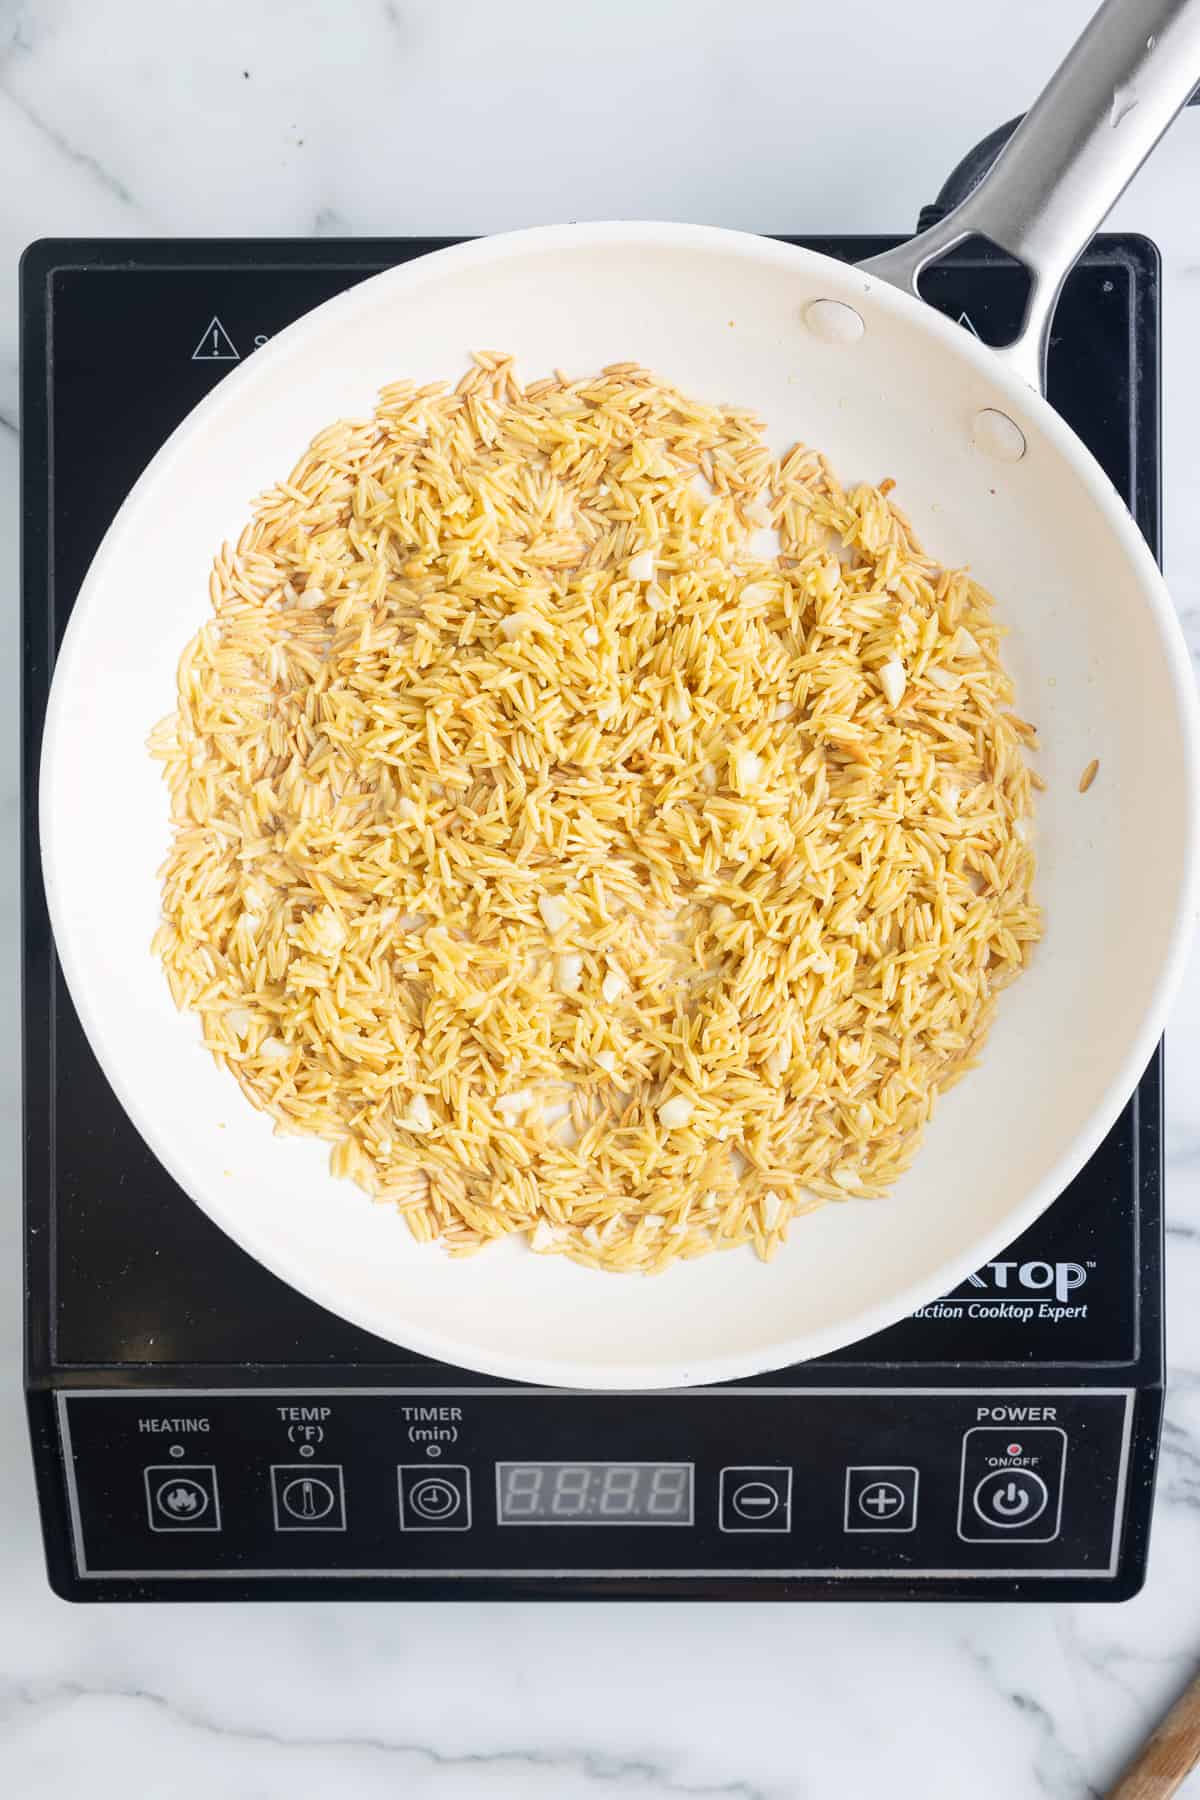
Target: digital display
594,1493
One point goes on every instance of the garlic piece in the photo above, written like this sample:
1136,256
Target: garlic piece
543,1236
273,1049
612,987
591,636
945,679
827,576
893,681
772,1209
517,624
676,1112
417,1116
239,1020
642,566
783,710
606,1060
568,972
679,706
407,809
555,916
747,769
324,932
511,1106
966,644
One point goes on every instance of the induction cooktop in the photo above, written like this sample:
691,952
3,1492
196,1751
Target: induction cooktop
202,1431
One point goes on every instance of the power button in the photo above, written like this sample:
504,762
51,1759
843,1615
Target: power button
1012,1484
1010,1498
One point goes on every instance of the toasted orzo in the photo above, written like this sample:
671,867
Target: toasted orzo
580,857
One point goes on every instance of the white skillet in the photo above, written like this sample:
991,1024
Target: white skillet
1097,653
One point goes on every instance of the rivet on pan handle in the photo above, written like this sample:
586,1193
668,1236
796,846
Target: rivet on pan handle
1074,153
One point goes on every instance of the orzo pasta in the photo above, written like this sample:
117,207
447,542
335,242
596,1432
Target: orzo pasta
596,826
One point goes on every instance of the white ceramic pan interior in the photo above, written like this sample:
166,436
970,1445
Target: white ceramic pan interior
1099,665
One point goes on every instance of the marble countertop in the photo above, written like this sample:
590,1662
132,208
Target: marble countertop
381,117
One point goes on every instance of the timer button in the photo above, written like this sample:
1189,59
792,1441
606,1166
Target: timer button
756,1499
434,1499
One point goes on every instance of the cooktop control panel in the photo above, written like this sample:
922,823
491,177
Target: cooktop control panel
830,1482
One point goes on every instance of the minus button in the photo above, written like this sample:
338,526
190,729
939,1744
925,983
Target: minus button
756,1499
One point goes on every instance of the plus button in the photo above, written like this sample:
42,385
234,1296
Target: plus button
881,1499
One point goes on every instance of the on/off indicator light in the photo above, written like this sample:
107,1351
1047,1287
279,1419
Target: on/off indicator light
1014,1449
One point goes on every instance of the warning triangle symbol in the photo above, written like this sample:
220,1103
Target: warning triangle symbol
215,344
963,319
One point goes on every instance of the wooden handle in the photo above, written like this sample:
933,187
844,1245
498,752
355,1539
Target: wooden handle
1170,1755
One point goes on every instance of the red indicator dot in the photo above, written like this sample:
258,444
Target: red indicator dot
1014,1449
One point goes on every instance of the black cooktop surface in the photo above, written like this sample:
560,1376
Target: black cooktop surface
135,335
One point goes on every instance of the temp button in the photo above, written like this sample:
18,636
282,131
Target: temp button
1012,1484
308,1496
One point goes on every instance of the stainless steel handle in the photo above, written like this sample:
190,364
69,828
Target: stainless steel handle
1073,154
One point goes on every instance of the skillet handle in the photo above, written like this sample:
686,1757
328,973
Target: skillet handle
1074,153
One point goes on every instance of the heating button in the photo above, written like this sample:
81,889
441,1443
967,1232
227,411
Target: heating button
1012,1484
182,1497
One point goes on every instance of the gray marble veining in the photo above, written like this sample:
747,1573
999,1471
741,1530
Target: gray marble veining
393,116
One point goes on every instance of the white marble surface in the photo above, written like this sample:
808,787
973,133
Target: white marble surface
285,116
